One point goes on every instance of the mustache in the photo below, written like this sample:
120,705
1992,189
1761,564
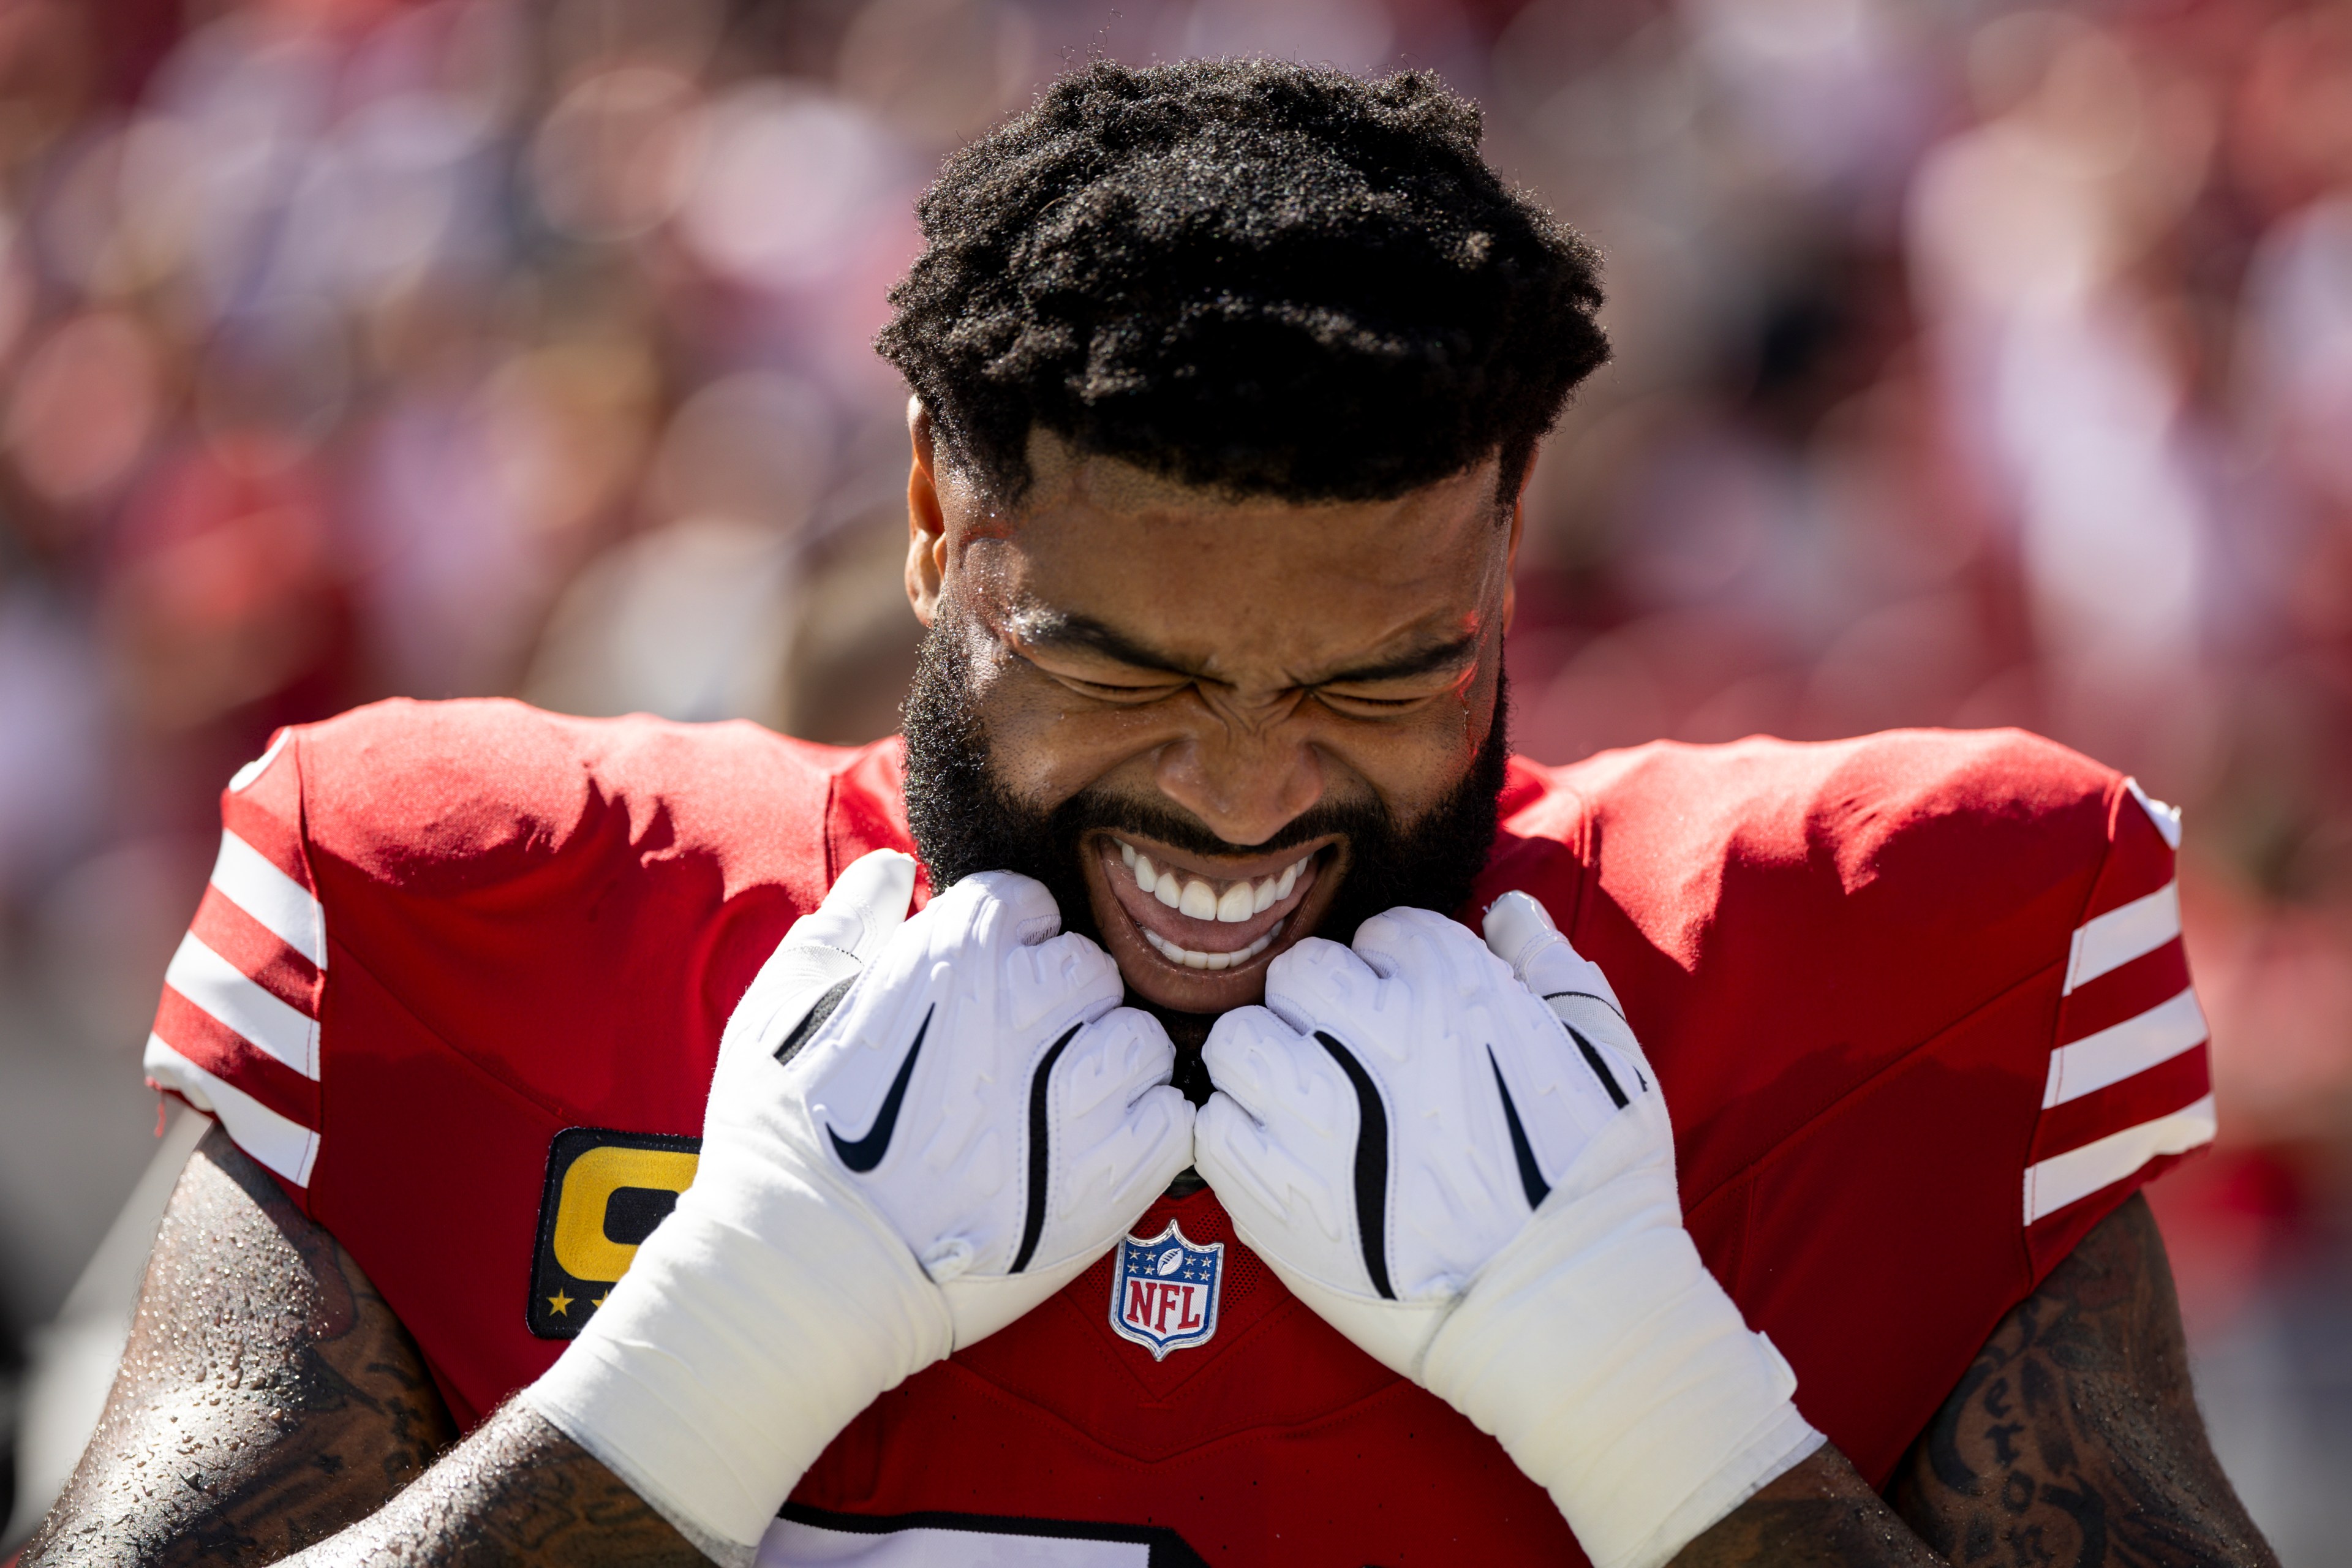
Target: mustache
1092,811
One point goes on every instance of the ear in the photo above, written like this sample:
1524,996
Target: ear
927,525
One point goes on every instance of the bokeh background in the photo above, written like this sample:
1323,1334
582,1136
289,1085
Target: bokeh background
1976,366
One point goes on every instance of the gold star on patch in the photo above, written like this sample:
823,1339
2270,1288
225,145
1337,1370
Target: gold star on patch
558,1302
597,1302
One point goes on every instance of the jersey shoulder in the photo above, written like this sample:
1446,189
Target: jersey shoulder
1937,831
448,945
1919,1006
1873,896
451,796
537,896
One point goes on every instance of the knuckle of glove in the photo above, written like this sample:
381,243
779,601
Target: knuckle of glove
1319,982
1148,1056
1081,967
1115,1061
1058,982
1276,1074
1409,941
1017,909
1242,1047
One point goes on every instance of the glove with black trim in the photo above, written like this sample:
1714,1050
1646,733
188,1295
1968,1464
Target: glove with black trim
917,1132
1460,1158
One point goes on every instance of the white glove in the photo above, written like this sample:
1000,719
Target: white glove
961,1119
1479,1191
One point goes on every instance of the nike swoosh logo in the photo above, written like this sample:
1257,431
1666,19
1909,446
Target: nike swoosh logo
1531,1180
866,1152
1371,1166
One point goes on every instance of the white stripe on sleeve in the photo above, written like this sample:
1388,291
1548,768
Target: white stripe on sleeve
2113,940
221,989
2136,1045
284,1146
2067,1178
2165,817
246,776
283,906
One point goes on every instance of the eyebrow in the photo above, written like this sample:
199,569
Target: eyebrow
1063,629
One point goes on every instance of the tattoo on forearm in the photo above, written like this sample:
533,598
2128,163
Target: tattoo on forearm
2074,1439
518,1491
267,1396
270,1404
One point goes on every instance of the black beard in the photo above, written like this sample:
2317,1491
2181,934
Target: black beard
963,822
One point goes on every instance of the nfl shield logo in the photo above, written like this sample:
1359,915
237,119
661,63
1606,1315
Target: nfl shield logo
1164,1292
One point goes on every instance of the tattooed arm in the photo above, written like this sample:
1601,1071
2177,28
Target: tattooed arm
269,1398
2075,1439
2072,1442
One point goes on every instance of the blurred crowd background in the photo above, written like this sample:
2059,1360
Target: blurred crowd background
1976,366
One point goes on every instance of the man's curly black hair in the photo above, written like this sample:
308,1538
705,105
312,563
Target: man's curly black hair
1270,278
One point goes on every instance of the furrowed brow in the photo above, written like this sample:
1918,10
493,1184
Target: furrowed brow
1422,661
1061,629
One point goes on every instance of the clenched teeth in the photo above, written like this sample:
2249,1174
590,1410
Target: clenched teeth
1191,960
1198,898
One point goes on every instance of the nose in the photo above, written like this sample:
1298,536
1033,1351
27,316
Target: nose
1244,787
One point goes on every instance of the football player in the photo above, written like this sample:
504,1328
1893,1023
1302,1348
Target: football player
1264,1121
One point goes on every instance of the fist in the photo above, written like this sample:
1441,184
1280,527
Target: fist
1393,1116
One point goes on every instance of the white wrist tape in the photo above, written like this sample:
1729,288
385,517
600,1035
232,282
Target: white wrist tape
1613,1369
719,1368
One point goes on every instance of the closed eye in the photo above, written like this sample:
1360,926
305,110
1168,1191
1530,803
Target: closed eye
1361,705
1390,696
1120,692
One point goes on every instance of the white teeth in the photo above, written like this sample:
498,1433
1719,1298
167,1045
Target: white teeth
1210,961
1202,902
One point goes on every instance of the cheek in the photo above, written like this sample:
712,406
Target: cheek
1413,765
1411,768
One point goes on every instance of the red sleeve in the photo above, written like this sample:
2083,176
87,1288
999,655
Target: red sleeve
487,924
2130,1089
236,1032
1918,1004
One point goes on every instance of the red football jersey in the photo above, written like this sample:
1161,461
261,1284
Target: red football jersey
1917,1001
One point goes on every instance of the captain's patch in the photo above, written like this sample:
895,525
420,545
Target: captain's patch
1164,1292
605,1192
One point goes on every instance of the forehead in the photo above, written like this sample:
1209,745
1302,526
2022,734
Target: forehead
1238,580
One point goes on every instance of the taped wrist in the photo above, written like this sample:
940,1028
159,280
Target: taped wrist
1613,1369
723,1363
